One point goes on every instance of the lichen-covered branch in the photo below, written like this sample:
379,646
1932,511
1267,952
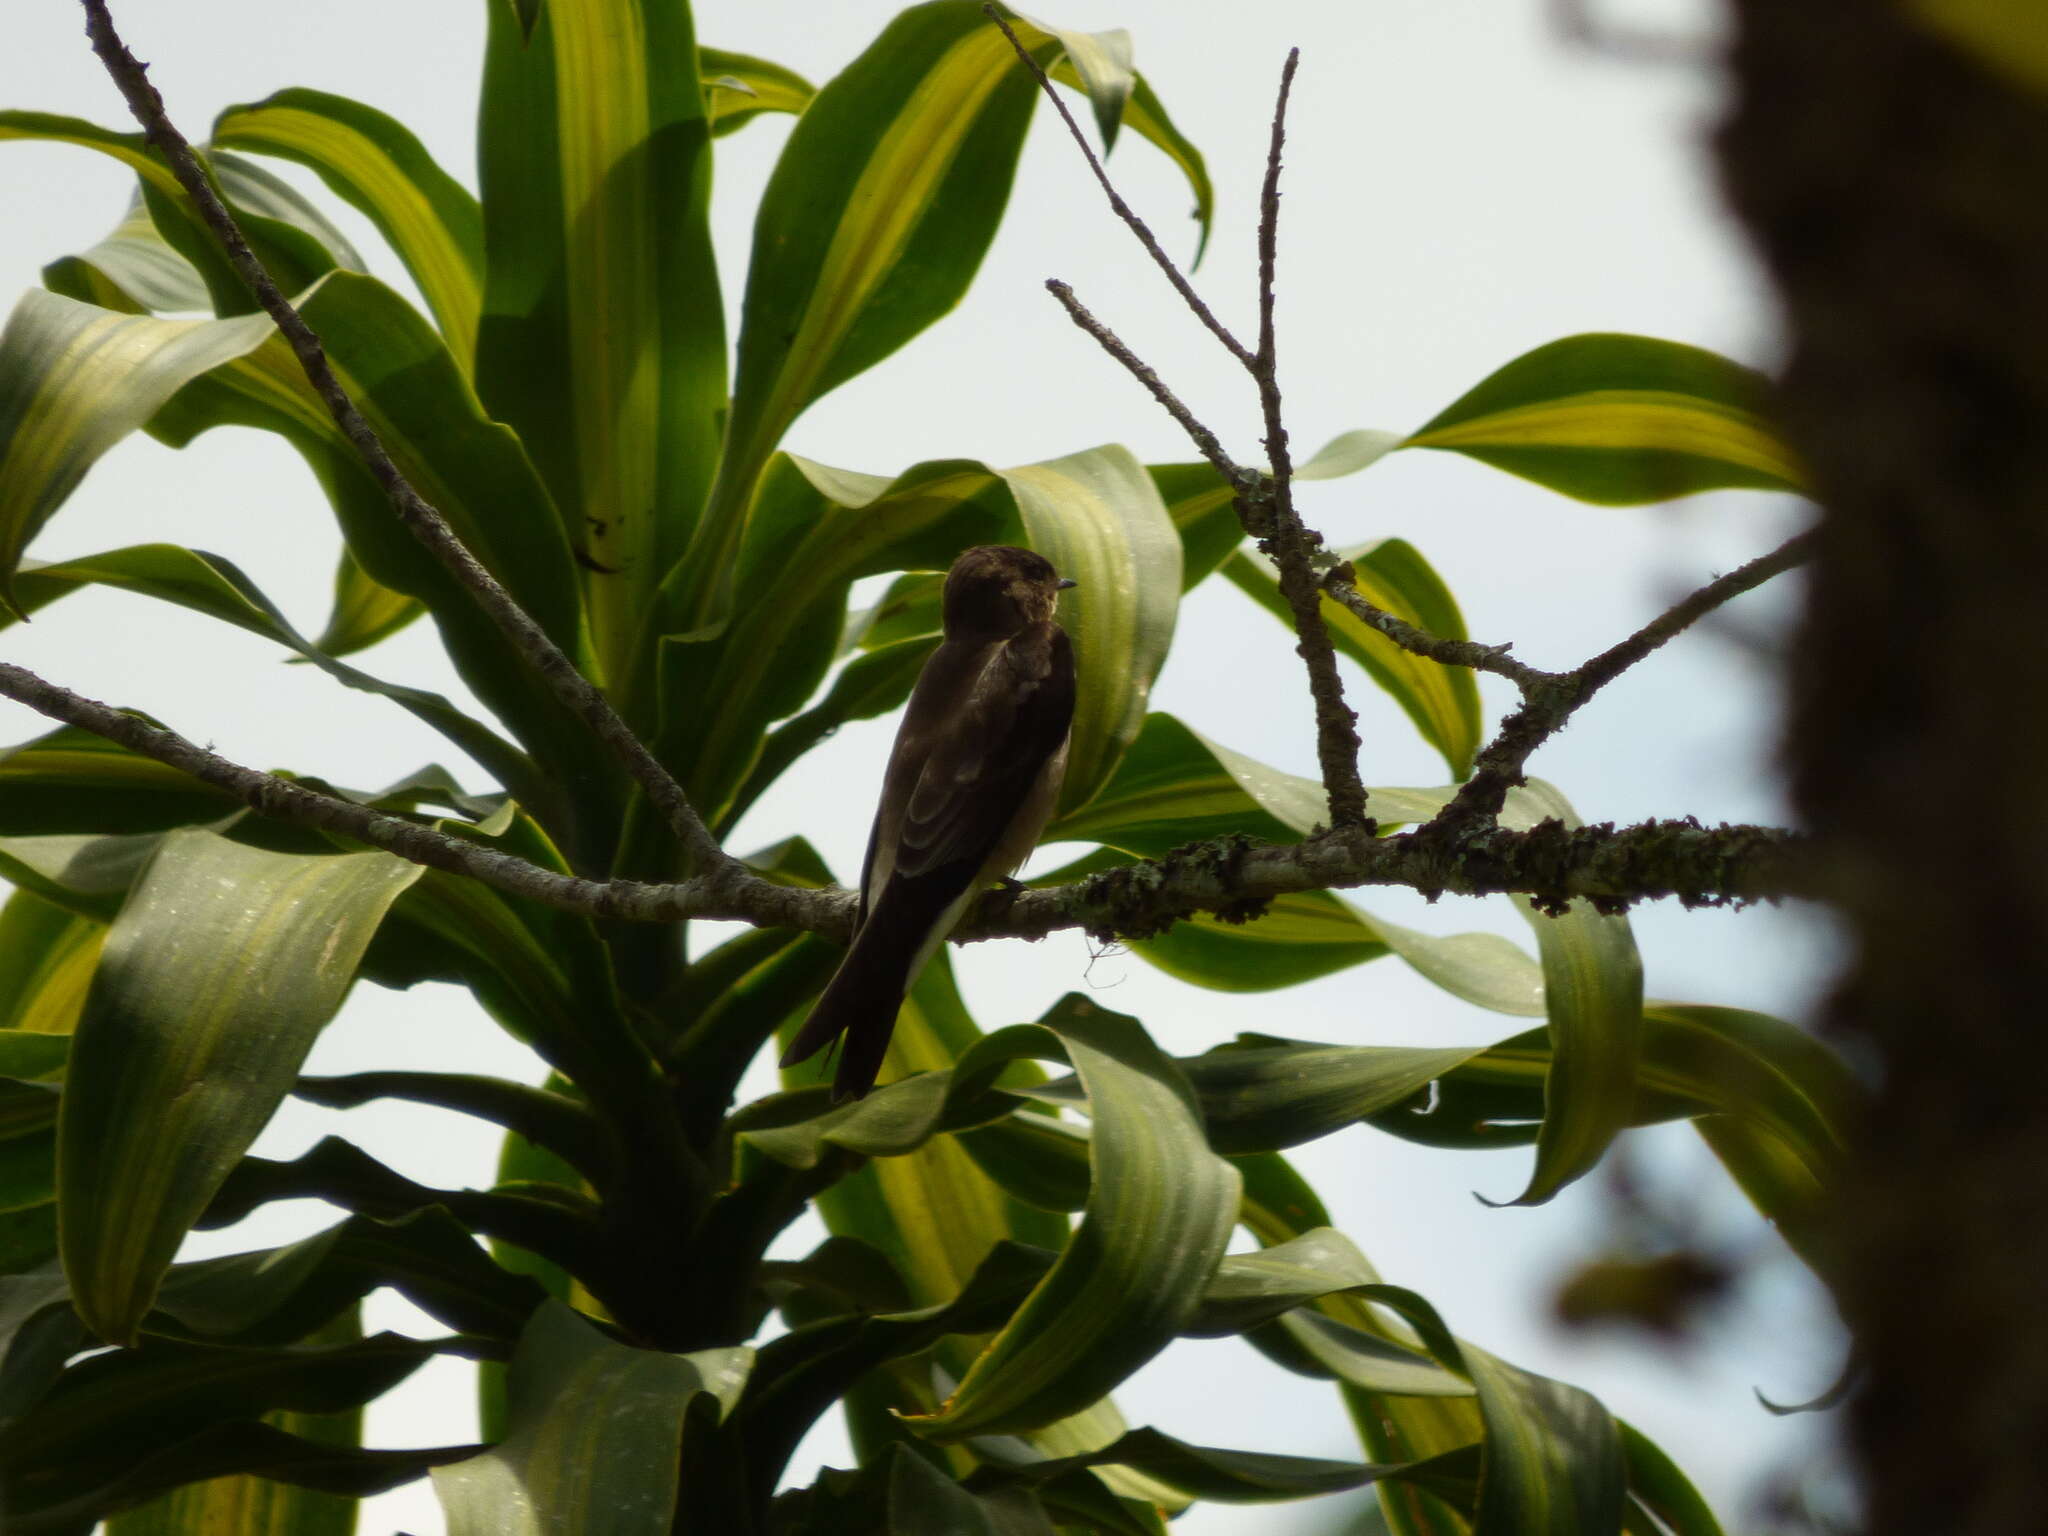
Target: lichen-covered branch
1698,865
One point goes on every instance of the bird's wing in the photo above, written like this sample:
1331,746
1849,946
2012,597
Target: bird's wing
985,756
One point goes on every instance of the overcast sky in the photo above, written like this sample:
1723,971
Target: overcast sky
1462,185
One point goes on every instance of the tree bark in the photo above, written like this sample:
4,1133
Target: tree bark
1897,189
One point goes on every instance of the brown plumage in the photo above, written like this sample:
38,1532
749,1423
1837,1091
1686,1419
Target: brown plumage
970,785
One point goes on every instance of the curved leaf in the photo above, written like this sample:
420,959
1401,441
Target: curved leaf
294,241
1098,517
816,530
223,965
593,1434
374,163
216,587
1620,420
1391,574
1593,997
1158,1217
47,957
134,269
880,209
364,610
124,1424
602,341
75,380
739,87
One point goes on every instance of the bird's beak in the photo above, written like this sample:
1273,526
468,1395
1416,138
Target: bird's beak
1066,582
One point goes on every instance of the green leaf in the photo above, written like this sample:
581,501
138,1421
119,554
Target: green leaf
47,956
364,610
216,587
739,87
816,530
1656,1483
1144,115
279,1295
1098,517
470,468
374,163
871,684
1593,996
1158,1217
134,269
1553,1454
936,1215
877,215
125,1424
1265,1097
593,1436
223,965
77,379
552,1120
292,239
84,377
802,1374
258,1506
1391,574
603,334
1620,420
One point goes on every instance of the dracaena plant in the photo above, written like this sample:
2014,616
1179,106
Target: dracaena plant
567,466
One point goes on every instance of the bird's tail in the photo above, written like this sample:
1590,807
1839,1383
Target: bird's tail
860,1003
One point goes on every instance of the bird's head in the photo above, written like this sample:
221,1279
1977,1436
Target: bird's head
998,589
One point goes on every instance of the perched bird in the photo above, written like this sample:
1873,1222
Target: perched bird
970,785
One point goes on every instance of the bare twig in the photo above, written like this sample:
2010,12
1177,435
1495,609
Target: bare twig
1418,641
1244,480
1280,530
1549,699
1265,505
1123,209
541,653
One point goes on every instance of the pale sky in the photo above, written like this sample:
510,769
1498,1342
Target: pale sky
1462,185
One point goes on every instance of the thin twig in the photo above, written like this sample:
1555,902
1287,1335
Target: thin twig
1269,513
1550,699
1418,641
1244,480
541,653
1136,225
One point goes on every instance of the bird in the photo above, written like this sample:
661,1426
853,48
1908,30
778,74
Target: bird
971,782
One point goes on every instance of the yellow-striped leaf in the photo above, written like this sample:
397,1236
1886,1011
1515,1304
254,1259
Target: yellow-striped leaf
739,87
223,965
1098,517
47,957
602,341
1159,1213
79,380
293,239
1620,420
880,209
375,163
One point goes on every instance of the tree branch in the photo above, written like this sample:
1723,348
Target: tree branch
541,653
1549,699
1231,877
